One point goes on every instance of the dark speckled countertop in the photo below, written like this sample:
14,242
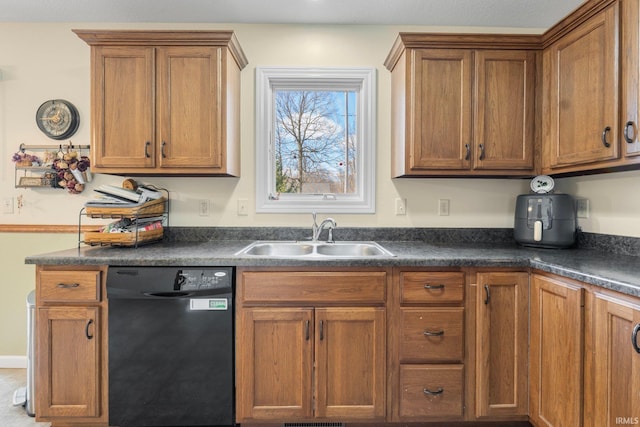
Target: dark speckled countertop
619,272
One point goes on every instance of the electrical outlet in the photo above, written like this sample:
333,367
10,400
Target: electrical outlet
243,207
401,206
443,207
582,208
7,205
203,207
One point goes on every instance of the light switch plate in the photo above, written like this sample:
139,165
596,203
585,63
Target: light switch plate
203,207
401,206
7,205
243,207
443,207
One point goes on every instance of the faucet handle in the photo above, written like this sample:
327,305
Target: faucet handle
314,227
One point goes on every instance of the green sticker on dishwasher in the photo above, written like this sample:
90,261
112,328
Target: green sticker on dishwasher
209,304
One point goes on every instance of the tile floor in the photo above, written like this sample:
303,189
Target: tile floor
14,416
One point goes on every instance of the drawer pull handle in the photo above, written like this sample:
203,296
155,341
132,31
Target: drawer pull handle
428,392
467,154
146,149
488,298
434,286
321,330
86,330
164,155
634,338
306,330
433,333
481,152
68,285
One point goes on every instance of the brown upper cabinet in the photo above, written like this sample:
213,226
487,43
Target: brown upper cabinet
581,94
165,102
462,108
630,87
590,89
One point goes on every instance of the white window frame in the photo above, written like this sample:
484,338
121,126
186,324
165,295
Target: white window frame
361,79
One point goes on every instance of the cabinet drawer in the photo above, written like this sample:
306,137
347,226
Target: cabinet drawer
69,286
314,286
432,334
431,391
428,287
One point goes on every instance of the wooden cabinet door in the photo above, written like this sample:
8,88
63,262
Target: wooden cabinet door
502,344
616,362
189,107
441,104
274,363
68,363
350,363
504,115
123,108
630,76
556,353
582,88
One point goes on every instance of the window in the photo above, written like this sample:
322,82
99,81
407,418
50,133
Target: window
315,140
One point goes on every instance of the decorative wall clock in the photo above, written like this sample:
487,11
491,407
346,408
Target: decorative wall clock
58,119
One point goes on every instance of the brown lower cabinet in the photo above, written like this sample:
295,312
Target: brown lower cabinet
70,355
311,345
369,346
427,345
502,339
556,352
616,361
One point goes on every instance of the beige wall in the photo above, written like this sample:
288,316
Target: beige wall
44,61
18,279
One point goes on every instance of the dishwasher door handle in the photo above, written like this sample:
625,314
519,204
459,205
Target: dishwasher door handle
168,294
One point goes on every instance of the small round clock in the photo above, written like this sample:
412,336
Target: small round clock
542,184
58,119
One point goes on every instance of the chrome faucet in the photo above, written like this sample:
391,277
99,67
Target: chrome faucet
317,229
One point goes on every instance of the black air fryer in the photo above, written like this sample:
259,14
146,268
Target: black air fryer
545,220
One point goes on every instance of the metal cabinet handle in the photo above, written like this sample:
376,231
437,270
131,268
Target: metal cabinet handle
86,329
146,149
627,137
428,392
634,338
481,151
604,137
440,286
306,330
468,148
488,293
164,155
68,285
433,333
321,330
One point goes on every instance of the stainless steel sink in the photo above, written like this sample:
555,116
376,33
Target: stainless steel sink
316,250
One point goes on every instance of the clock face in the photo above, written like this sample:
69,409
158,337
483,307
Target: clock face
58,119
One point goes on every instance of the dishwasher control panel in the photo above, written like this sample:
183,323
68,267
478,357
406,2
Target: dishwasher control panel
202,279
133,282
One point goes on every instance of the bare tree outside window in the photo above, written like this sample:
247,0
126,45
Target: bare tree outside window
315,141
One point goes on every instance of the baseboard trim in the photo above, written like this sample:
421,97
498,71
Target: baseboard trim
13,362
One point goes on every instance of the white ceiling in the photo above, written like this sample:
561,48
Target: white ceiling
486,13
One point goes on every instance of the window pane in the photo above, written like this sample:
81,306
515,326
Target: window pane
315,141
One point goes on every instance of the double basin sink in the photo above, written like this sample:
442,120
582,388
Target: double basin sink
315,250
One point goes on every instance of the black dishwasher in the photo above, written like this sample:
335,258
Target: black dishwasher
171,347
